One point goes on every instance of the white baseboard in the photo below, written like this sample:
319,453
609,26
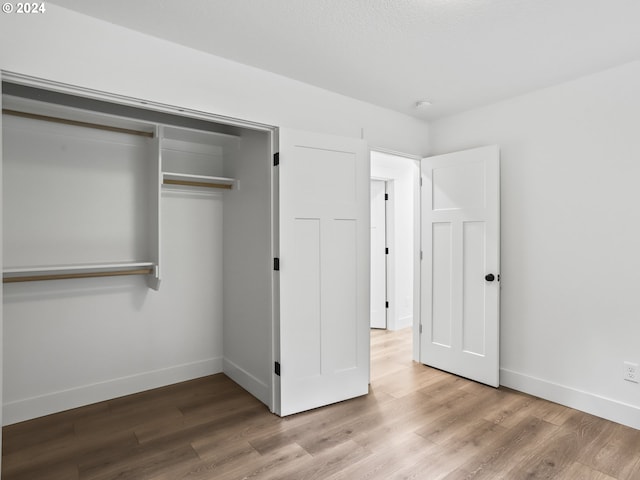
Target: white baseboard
250,383
28,408
608,408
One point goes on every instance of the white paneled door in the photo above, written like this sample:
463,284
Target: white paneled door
460,270
324,270
378,255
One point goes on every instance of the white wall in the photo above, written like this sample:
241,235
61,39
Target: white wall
248,268
570,313
66,358
402,176
73,342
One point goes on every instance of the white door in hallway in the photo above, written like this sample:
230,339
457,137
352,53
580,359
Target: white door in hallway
460,269
378,255
324,270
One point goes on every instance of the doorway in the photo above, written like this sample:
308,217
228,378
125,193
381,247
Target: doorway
399,174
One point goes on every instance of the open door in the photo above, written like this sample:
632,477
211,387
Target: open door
323,269
378,254
460,270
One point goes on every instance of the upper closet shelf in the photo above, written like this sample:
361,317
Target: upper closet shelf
59,272
176,137
47,112
170,178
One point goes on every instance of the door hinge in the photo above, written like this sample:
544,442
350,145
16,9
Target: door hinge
386,196
276,159
276,368
420,328
420,181
386,250
276,264
420,254
386,304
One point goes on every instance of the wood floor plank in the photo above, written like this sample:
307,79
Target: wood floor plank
55,454
433,466
276,460
138,464
400,451
309,424
214,462
218,441
509,450
399,419
562,449
615,452
417,422
577,471
551,412
459,416
634,471
108,423
213,419
401,413
60,471
408,380
473,438
511,409
323,464
222,452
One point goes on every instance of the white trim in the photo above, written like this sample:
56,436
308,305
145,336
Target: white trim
13,77
600,406
28,408
251,384
394,153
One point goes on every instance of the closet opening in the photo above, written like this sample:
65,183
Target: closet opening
138,249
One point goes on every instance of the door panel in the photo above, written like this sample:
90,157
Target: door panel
460,244
324,270
473,291
305,266
441,324
378,256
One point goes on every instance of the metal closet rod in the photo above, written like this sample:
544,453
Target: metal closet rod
77,123
190,183
63,276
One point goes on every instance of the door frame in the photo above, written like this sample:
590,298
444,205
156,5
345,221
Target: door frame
416,245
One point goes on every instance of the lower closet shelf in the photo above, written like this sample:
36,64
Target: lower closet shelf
170,178
59,272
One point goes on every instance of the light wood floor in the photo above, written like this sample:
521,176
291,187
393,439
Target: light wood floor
417,423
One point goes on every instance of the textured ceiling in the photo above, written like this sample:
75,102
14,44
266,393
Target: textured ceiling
458,54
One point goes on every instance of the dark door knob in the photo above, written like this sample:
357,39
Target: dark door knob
490,277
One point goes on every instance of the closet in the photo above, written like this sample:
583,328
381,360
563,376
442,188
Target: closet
137,250
147,244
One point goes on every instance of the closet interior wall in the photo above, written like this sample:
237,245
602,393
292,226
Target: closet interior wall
80,195
248,267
